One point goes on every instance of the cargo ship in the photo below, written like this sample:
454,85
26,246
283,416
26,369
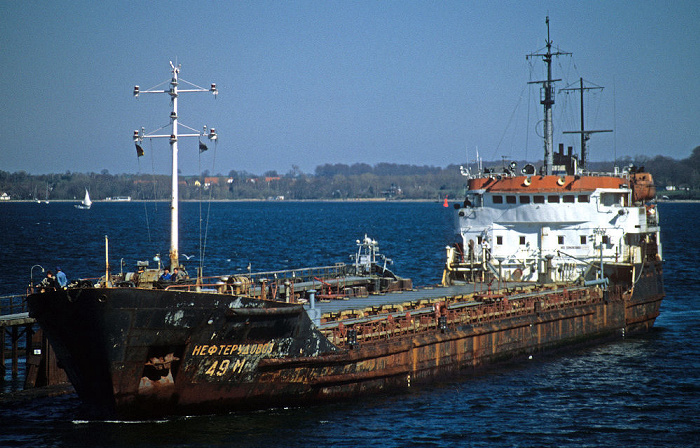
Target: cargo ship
543,261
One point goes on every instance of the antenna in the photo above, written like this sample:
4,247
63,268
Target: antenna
585,134
466,151
478,160
547,99
614,119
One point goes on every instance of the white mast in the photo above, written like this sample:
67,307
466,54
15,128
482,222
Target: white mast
174,135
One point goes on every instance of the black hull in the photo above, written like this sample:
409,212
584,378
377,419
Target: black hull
104,338
134,353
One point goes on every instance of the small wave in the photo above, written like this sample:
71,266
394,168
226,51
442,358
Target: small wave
121,422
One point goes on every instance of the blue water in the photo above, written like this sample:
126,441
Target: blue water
640,391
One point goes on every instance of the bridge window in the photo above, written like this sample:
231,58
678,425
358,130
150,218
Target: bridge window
570,198
510,199
610,199
497,199
538,199
499,240
583,239
522,240
606,239
584,198
524,199
553,199
560,240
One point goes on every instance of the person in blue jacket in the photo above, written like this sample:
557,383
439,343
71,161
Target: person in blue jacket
61,278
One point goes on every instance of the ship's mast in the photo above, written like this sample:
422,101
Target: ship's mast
585,134
547,99
174,135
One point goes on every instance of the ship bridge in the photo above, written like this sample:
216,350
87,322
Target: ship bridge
517,227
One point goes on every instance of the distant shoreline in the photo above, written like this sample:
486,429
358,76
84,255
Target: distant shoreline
103,201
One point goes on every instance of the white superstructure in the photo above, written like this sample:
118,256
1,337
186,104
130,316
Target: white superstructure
553,228
564,224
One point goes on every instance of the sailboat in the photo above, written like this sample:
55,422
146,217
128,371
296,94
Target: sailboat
47,195
39,201
86,204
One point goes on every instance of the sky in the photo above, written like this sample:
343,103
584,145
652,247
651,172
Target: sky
305,83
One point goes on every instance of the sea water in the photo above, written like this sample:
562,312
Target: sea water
638,391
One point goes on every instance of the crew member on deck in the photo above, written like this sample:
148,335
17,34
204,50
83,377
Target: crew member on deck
61,277
49,283
177,275
486,249
166,275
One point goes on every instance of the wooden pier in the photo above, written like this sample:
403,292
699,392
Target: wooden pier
26,341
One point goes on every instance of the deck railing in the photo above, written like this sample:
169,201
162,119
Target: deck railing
13,304
441,314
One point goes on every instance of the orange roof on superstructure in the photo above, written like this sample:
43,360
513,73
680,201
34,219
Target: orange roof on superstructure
545,184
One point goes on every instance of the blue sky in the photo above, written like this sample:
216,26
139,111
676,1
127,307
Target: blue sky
311,82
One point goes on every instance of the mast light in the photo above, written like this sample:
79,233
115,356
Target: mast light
137,137
212,134
136,91
213,89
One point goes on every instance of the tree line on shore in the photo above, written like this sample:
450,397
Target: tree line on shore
329,181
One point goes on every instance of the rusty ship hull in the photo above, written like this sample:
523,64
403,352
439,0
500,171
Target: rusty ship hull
139,353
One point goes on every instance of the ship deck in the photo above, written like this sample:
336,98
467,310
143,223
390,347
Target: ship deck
414,296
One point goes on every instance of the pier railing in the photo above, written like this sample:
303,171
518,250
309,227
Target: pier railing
13,304
15,324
